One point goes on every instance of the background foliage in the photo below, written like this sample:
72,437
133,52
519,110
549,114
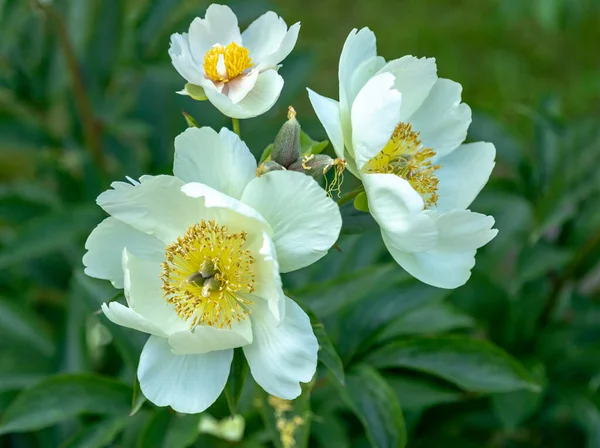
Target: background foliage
512,359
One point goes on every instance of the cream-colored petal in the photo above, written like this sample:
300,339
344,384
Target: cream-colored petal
442,120
463,173
398,209
219,26
359,47
126,317
285,48
375,115
282,355
187,383
220,160
258,101
184,61
205,339
156,206
328,112
238,88
264,36
305,221
105,248
414,79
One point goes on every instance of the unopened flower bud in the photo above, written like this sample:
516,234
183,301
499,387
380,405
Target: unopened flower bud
266,167
315,165
286,148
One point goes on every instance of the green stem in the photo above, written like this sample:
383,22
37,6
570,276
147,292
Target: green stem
350,196
236,126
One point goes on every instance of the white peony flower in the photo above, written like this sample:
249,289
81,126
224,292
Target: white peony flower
401,130
199,257
238,72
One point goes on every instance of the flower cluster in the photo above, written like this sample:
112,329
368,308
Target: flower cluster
199,254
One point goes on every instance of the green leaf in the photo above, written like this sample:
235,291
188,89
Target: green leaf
20,324
417,393
196,92
154,434
356,221
189,120
375,404
266,154
49,233
99,435
236,380
361,203
183,431
310,146
471,364
138,399
327,353
432,318
63,397
347,289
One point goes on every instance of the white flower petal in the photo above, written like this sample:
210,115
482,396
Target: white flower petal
263,36
463,230
144,294
156,206
187,383
239,87
359,47
414,79
258,101
375,114
105,248
221,161
268,284
205,339
305,221
287,45
126,317
447,270
328,112
463,173
227,210
365,71
398,209
219,26
183,60
442,120
281,356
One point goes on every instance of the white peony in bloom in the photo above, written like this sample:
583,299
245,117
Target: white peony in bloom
401,130
199,257
238,72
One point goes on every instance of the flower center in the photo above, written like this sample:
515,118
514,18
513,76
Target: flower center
405,156
222,64
207,275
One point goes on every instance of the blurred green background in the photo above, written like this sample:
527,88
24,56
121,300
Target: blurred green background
87,95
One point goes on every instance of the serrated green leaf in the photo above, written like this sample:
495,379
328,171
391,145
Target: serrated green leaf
375,404
63,397
236,380
471,364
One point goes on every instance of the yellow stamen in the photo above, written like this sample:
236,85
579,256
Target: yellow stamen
405,156
339,165
207,274
235,59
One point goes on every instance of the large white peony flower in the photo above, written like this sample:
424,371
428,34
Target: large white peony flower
400,129
238,72
199,256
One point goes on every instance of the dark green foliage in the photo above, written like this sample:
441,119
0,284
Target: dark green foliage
510,360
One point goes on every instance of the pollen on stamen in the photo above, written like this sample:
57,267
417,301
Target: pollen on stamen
235,58
406,157
208,275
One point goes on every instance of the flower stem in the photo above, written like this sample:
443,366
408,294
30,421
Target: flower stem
350,196
236,126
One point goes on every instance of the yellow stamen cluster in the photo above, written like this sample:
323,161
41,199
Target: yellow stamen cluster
405,156
286,426
235,57
207,274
